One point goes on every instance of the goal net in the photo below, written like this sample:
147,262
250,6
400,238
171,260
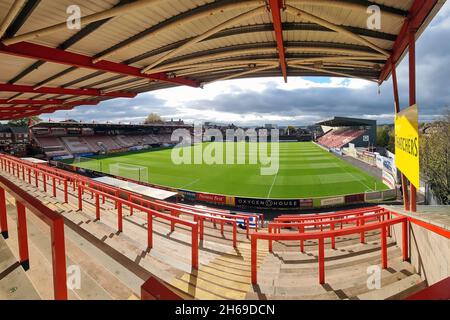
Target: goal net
130,171
88,163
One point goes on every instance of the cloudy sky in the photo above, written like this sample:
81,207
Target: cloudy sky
302,101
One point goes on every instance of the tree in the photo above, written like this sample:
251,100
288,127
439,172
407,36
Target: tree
291,130
435,158
383,137
153,118
23,122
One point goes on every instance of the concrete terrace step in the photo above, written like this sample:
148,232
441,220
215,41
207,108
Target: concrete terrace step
14,283
396,290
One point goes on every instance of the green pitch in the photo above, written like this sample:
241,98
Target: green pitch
305,170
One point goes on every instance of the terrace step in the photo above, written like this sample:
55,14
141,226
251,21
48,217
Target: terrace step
396,290
14,282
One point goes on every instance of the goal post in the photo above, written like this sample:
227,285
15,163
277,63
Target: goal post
130,171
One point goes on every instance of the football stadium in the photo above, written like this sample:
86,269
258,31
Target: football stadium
177,210
305,170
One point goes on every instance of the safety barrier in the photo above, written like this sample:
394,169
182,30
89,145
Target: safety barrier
16,168
77,180
259,217
275,227
321,217
197,216
321,236
83,183
150,215
24,202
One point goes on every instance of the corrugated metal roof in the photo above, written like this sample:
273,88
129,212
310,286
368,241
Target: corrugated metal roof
319,36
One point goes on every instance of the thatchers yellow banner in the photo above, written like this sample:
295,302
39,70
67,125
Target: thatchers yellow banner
407,143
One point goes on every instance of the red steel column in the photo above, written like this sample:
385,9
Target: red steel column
234,234
194,236
22,235
3,218
302,242
412,96
119,216
97,206
384,248
66,195
397,110
80,198
270,240
275,8
254,260
149,230
54,186
405,240
59,260
321,261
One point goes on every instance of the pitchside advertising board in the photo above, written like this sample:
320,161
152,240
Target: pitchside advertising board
407,143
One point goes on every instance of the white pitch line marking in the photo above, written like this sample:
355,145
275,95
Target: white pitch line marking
271,187
190,184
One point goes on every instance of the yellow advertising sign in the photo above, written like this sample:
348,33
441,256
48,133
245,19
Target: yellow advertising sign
407,143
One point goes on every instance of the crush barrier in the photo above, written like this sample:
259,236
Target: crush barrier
27,203
321,236
275,227
150,215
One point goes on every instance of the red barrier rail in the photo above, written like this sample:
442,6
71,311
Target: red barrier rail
155,205
77,179
327,216
150,214
26,202
17,167
259,217
197,216
320,236
82,182
371,208
301,226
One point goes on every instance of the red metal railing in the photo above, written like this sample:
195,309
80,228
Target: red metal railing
83,183
197,216
78,180
276,227
259,217
339,214
23,170
26,202
321,236
150,215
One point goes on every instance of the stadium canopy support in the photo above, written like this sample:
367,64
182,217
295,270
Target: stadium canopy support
412,94
407,40
275,8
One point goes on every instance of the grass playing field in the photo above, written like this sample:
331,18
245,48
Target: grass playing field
305,170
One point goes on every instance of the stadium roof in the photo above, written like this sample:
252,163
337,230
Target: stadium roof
347,122
126,47
111,126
